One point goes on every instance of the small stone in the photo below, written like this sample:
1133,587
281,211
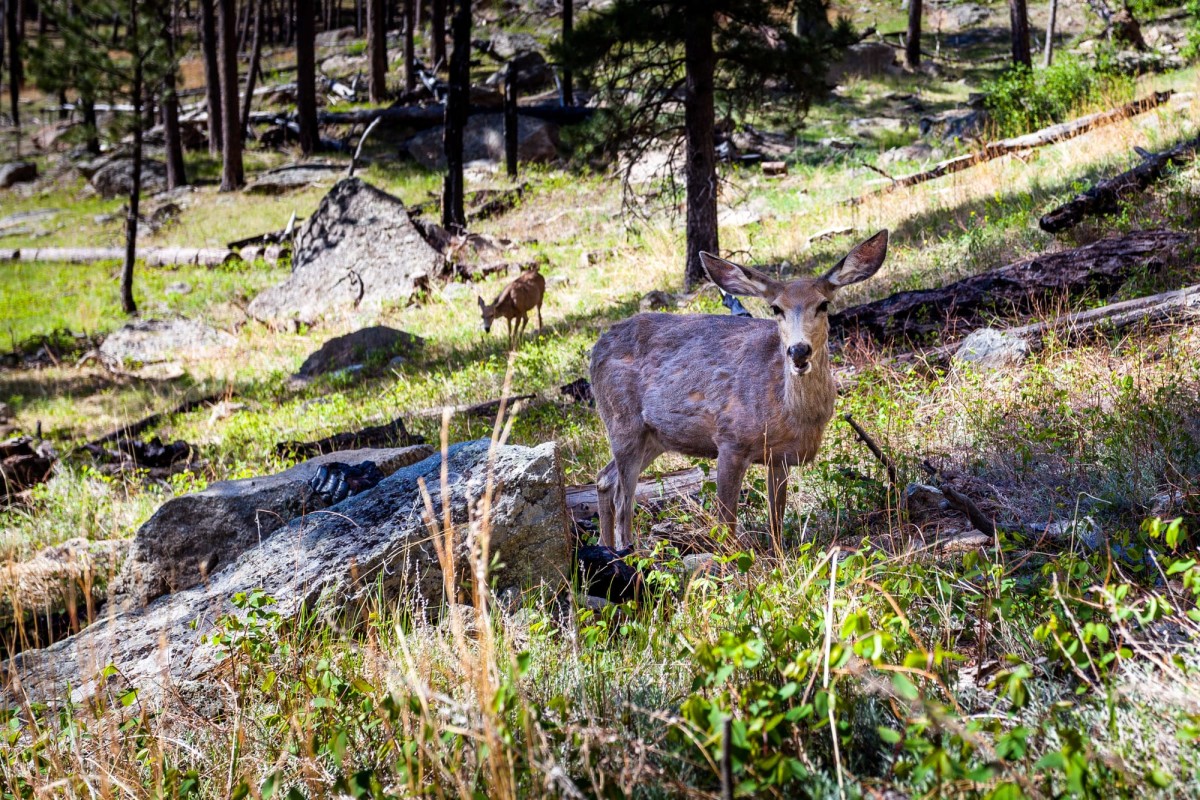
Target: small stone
182,287
988,348
1085,530
774,169
595,603
656,300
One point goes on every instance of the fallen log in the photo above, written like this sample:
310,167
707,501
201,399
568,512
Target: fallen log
130,431
435,114
992,150
488,408
390,434
151,257
1106,196
583,502
917,316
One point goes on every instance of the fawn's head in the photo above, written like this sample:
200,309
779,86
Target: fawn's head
800,306
489,314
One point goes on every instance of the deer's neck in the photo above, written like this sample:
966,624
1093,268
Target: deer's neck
809,398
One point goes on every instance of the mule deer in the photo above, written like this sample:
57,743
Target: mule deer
514,303
739,390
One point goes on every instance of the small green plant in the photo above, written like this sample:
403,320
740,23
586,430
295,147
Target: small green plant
1022,100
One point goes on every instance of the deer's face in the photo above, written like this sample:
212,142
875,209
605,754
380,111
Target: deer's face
801,306
488,312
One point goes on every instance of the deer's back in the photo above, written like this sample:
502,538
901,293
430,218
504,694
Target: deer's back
522,294
696,381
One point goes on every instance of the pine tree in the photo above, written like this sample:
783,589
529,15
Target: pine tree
647,55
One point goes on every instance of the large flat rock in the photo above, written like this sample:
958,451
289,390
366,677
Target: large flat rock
359,252
483,140
373,545
192,536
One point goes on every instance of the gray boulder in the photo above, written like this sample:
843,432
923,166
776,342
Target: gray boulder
988,348
358,252
529,71
957,123
115,178
154,341
192,536
292,177
346,351
483,140
376,547
504,44
16,172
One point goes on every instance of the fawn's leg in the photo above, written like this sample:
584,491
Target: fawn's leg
539,310
731,469
777,481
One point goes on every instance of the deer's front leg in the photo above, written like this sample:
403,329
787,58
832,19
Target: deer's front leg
731,469
777,481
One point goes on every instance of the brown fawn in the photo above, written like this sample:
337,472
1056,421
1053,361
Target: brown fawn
743,391
514,303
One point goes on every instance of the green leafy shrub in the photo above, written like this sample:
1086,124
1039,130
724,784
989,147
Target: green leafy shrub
1022,100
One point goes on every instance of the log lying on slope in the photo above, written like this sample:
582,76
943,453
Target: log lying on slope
150,256
435,114
921,315
1106,196
390,434
1051,135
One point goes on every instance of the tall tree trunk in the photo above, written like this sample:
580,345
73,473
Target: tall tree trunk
1018,13
510,120
458,97
135,192
376,52
91,124
176,171
243,27
212,76
255,59
437,31
1048,58
912,44
12,19
700,63
231,162
410,55
358,17
306,76
566,80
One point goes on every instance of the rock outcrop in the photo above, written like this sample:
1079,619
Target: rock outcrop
359,252
193,536
483,140
373,546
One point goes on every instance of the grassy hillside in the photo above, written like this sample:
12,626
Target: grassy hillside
858,657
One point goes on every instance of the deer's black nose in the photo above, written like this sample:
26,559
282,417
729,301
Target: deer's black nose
799,354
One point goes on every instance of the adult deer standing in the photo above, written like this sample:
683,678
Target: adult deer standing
514,303
739,390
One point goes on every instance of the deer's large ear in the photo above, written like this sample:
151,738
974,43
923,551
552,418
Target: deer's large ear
737,279
481,303
860,263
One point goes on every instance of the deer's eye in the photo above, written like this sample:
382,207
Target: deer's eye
823,307
777,311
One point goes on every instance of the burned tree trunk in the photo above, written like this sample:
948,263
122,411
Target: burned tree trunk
410,56
212,76
255,60
376,52
135,192
1105,197
566,80
1018,13
510,120
919,317
700,63
176,170
457,108
437,30
912,42
232,176
13,30
306,77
